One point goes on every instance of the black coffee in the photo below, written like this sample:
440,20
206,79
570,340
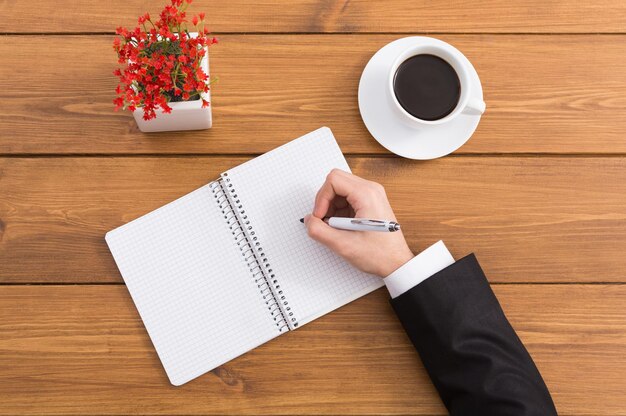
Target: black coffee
427,87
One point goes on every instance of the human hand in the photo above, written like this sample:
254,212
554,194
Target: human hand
347,195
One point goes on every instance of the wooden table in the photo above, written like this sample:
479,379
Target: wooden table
538,193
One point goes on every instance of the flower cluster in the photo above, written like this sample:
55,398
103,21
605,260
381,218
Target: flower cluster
162,61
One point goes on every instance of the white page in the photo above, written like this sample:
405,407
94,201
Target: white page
276,190
195,294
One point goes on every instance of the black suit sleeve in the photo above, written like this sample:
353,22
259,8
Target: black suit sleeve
472,354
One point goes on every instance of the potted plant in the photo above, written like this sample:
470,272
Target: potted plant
164,79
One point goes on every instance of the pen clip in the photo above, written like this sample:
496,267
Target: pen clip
371,223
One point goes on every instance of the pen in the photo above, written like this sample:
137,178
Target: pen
360,224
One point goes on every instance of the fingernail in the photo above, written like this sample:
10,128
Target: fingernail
306,218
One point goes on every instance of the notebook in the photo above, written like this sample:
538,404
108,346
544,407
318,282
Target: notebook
229,266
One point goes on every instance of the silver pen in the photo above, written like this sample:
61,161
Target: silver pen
361,224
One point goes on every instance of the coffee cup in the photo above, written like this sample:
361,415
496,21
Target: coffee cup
430,85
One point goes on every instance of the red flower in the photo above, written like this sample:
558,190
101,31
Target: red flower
162,63
143,19
119,103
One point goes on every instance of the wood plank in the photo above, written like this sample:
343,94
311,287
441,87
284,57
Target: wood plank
529,219
546,94
390,16
83,350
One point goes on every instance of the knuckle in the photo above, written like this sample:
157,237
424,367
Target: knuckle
374,190
314,231
378,188
333,173
311,231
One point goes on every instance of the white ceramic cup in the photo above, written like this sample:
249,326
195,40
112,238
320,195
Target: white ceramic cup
469,101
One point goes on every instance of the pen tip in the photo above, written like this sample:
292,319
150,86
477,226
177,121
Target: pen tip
302,220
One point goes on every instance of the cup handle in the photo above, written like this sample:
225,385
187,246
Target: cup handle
475,106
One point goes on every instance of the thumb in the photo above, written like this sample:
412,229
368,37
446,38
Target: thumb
323,233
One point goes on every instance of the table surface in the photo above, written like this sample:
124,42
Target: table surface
538,193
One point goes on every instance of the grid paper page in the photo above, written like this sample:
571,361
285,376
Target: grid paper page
193,291
276,190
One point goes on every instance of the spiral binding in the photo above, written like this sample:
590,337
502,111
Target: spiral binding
252,252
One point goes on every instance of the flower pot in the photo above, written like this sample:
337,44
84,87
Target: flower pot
185,115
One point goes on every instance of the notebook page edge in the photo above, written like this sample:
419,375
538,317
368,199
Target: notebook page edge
291,143
117,253
111,233
109,237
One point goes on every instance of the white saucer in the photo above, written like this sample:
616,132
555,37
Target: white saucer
428,142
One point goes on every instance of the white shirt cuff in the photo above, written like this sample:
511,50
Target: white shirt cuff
430,261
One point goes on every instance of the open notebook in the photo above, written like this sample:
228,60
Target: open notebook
229,266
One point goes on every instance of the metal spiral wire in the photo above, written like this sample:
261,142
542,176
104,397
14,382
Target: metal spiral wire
252,253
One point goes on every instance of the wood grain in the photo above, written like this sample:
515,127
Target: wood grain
499,16
539,196
544,94
547,219
83,350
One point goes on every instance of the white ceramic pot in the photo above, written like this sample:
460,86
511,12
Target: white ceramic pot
185,115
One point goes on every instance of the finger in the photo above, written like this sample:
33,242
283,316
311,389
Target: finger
321,232
338,183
